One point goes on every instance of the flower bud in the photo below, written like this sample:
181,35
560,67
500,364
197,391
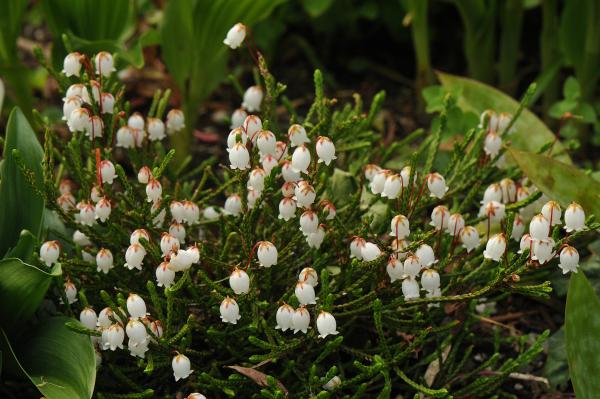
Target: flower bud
284,317
525,243
134,256
332,383
399,227
104,260
309,222
115,337
266,253
305,293
551,211
412,266
370,171
410,288
136,306
325,150
509,190
542,250
398,246
94,129
574,218
237,135
49,252
195,395
518,228
71,292
239,281
266,142
107,170
301,159
211,213
326,324
168,244
104,64
287,208
107,103
288,173
370,252
66,201
470,238
492,144
492,193
72,64
88,318
181,367
439,217
455,224
301,320
102,209
297,135
252,98
394,269
81,239
153,190
175,121
156,129
495,247
539,227
230,311
436,185
159,219
569,259
251,198
239,157
164,275
268,163
329,210
235,35
252,126
70,105
237,118
233,205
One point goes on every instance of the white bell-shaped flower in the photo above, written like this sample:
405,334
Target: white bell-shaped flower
237,118
574,218
252,126
394,269
370,252
125,137
301,159
492,144
87,214
266,253
509,190
104,260
95,127
177,230
138,350
493,210
430,280
325,150
305,194
191,212
400,227
252,197
436,185
525,243
398,247
281,150
49,252
253,98
412,266
284,316
301,320
153,190
96,90
230,311
136,332
104,317
266,142
305,293
256,179
356,246
181,367
79,120
233,205
88,318
328,209
156,129
78,90
175,121
288,189
70,105
72,64
492,193
107,103
168,244
211,213
66,201
115,337
287,209
136,306
95,194
239,281
137,234
543,250
288,173
326,324
239,157
164,275
518,229
102,209
569,259
309,275
370,171
235,36
551,211
104,64
495,247
392,186
314,240
455,224
134,256
410,288
333,383
269,162
539,227
297,135
378,183
439,217
470,238
309,222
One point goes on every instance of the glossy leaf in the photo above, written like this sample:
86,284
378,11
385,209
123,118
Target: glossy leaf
530,132
22,288
60,362
582,327
560,181
21,207
25,248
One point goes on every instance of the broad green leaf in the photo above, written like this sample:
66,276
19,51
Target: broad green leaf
60,362
571,89
25,248
315,8
560,181
343,187
21,207
22,288
380,214
582,327
132,56
556,368
530,132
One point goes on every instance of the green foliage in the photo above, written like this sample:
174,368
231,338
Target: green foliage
192,47
20,194
582,328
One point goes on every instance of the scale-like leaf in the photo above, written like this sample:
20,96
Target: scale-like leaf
530,132
582,327
21,207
